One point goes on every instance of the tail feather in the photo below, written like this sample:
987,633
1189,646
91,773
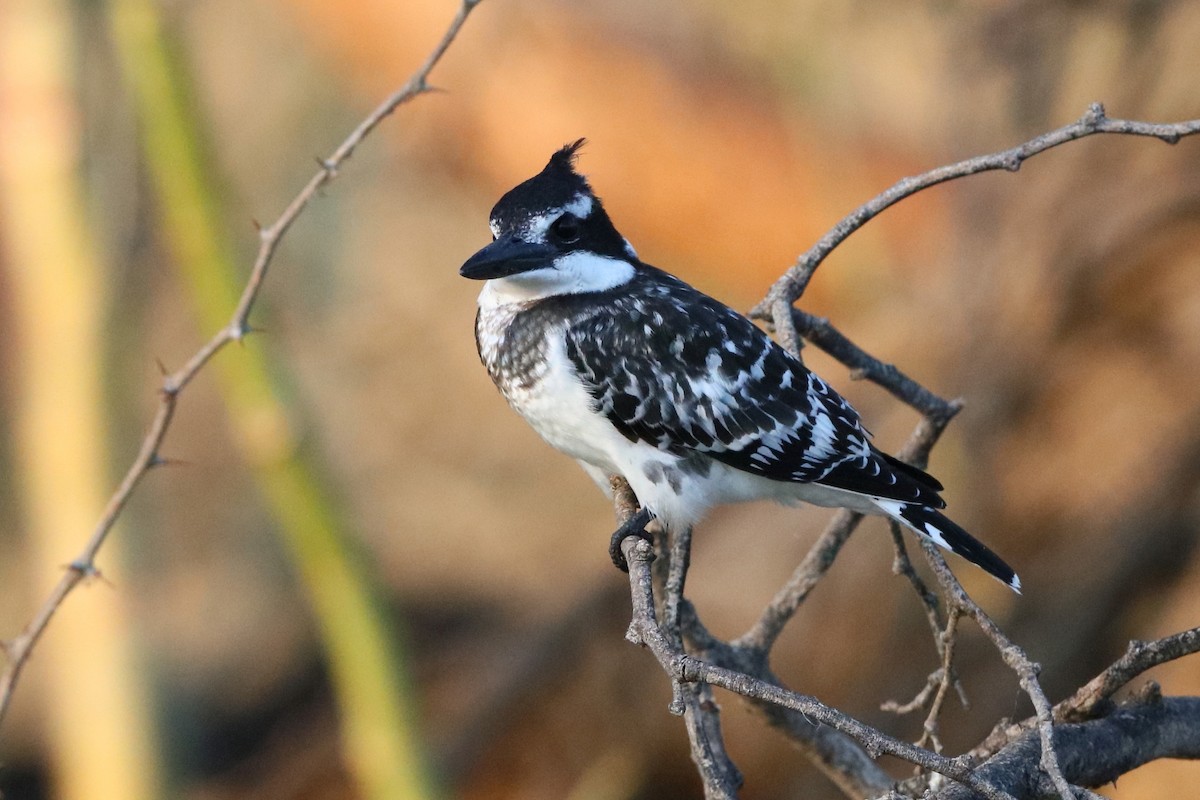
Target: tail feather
939,529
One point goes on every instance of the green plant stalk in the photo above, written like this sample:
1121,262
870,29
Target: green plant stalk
368,672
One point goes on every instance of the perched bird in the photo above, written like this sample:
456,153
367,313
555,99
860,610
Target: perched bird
633,372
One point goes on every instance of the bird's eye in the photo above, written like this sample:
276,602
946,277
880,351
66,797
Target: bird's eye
566,229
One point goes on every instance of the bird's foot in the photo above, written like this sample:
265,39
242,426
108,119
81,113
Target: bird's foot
634,526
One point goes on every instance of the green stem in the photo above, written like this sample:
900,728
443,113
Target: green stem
367,668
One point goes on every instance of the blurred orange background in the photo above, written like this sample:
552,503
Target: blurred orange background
1062,303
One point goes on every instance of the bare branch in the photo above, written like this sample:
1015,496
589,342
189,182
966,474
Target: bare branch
792,284
694,701
21,647
702,718
1128,737
644,630
1139,657
843,747
944,639
1015,657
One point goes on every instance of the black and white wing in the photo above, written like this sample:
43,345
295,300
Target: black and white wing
673,367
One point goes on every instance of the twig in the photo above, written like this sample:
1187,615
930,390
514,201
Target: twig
1139,657
1015,657
946,678
722,779
693,701
944,634
792,284
83,565
933,694
745,660
645,630
1129,737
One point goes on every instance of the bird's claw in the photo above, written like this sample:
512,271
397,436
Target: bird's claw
634,526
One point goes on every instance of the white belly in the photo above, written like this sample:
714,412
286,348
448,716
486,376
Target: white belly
560,410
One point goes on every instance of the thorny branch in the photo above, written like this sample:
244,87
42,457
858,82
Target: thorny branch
842,747
83,566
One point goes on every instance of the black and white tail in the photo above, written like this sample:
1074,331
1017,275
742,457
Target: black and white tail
939,529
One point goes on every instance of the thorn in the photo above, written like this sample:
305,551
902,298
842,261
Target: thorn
1095,114
84,568
329,166
429,88
88,571
157,461
162,368
239,330
257,225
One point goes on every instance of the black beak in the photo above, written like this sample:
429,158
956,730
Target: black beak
505,257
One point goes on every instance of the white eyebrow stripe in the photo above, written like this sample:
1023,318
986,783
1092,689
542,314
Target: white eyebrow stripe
534,230
580,206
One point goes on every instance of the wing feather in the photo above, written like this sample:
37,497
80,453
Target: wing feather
670,366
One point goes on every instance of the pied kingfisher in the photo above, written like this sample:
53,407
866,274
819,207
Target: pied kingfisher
634,373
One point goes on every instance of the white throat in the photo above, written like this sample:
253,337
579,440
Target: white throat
573,273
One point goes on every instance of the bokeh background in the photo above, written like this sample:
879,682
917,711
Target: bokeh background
362,557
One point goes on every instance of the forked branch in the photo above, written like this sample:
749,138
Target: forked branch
742,666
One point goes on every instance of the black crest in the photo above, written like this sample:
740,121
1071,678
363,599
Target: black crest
554,187
566,156
557,186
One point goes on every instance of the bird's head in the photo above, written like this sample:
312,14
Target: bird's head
551,235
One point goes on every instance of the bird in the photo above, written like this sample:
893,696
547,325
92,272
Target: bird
634,373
